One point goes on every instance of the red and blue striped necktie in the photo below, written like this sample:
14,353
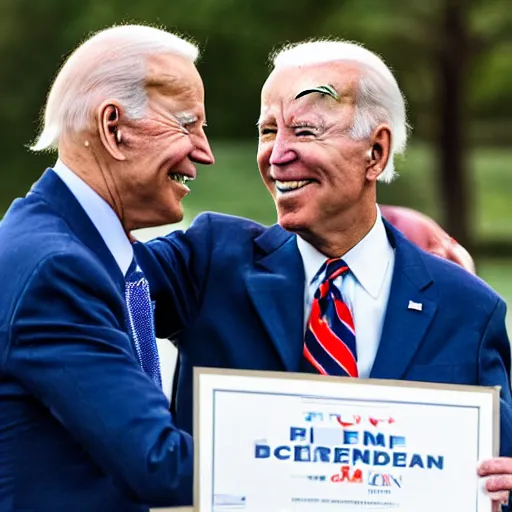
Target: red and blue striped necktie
330,342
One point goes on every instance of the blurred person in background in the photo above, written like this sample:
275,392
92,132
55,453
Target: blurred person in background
236,294
84,424
427,234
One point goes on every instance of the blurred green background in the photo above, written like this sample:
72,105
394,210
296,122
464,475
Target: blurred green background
453,60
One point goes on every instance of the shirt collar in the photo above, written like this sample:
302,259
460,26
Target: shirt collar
101,214
368,260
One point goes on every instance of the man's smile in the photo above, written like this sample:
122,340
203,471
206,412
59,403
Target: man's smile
180,178
289,186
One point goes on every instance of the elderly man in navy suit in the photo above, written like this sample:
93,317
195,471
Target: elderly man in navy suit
332,288
84,424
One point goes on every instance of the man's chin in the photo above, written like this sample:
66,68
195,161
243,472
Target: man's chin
293,222
174,211
171,216
176,216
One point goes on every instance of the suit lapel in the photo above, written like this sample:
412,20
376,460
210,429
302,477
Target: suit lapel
404,325
276,288
55,192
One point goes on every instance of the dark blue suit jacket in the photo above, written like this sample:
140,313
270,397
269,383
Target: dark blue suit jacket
82,428
231,292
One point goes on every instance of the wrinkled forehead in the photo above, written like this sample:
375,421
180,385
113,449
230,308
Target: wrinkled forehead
174,77
292,91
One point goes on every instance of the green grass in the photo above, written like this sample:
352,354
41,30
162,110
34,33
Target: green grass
498,274
492,171
233,185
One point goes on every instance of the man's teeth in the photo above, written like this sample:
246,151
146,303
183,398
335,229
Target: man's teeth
286,186
179,178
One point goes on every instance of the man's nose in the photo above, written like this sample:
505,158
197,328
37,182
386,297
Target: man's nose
202,152
282,153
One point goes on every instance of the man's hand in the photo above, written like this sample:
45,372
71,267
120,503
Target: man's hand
498,474
427,234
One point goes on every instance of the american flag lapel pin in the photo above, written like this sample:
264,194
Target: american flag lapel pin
415,306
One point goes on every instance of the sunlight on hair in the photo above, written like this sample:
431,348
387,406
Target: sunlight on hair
110,64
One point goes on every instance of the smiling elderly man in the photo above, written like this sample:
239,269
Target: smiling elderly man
84,424
236,294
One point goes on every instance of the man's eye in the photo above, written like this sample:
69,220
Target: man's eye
267,131
187,121
304,133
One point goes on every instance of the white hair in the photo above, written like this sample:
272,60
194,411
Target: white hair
378,99
110,64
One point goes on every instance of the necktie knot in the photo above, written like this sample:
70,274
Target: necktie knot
334,268
134,274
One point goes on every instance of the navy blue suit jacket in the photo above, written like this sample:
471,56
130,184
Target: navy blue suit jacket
82,428
231,292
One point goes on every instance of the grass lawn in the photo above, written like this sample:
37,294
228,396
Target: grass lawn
498,274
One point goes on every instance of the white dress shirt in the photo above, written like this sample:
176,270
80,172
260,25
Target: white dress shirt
365,289
101,214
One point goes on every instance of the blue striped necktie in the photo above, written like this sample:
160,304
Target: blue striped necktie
141,321
330,342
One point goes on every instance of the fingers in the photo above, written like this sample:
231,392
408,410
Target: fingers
497,473
496,466
499,483
496,506
499,497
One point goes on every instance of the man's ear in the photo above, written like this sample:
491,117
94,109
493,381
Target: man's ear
109,129
379,152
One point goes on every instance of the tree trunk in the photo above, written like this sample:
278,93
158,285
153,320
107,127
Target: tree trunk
453,67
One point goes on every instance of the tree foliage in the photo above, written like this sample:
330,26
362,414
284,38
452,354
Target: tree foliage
236,37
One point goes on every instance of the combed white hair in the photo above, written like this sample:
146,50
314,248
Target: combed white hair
110,64
379,99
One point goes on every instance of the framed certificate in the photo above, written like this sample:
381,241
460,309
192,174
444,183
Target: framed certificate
282,442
